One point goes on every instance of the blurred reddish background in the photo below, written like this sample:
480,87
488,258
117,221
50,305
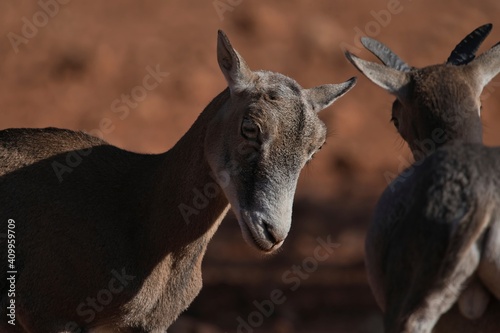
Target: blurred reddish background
68,71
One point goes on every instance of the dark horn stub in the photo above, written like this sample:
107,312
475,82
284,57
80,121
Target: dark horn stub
466,50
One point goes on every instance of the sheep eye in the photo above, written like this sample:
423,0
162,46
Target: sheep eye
314,153
249,129
395,121
273,96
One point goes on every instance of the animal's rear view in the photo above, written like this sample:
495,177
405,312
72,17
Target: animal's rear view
116,244
432,251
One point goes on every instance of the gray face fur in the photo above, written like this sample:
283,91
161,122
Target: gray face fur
436,104
272,130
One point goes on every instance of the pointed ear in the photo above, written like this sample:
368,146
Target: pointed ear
323,96
485,67
392,80
232,65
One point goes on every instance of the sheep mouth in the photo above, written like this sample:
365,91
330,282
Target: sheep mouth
265,242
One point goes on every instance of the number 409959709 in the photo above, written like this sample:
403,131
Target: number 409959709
11,244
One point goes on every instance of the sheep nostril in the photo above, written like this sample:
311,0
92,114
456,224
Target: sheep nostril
269,232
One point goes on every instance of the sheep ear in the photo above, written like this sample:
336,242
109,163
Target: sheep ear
485,67
232,65
323,96
392,80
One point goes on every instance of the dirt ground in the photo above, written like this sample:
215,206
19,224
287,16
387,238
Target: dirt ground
67,71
